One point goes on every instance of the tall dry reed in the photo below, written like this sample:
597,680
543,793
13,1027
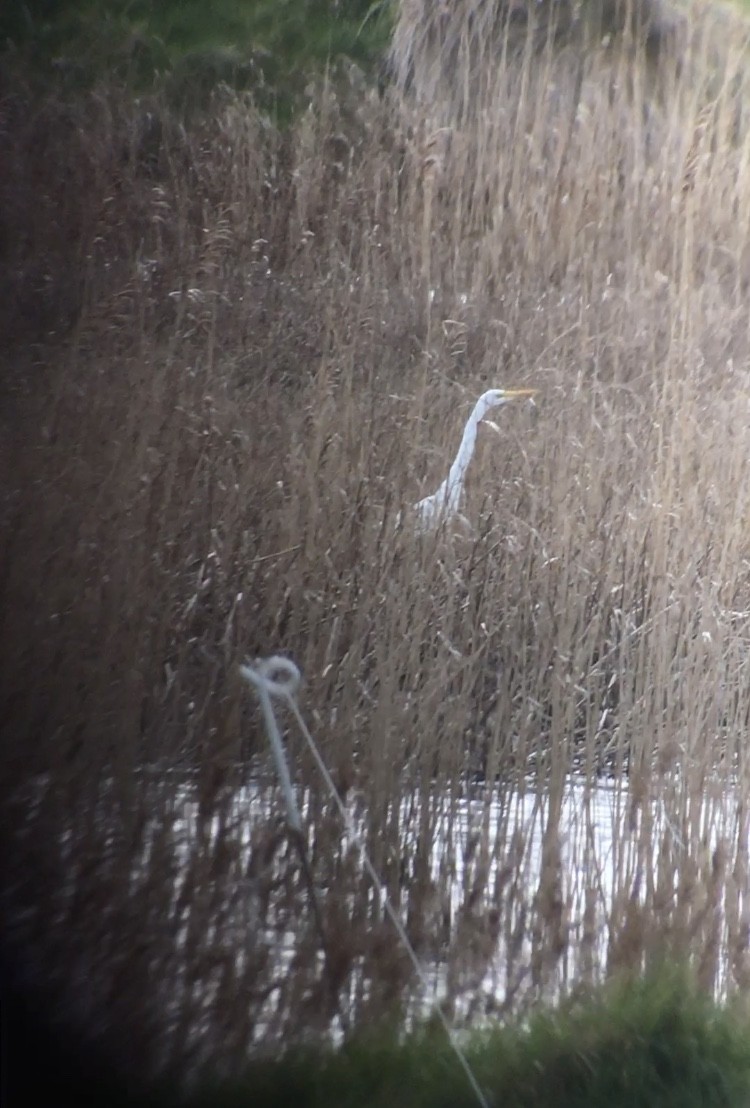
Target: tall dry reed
256,349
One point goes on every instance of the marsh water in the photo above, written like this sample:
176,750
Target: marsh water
195,922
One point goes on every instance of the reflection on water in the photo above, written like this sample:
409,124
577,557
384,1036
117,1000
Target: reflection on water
190,916
513,895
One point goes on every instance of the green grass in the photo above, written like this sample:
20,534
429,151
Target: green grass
652,1043
657,1042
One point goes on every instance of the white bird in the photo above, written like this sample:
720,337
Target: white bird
443,504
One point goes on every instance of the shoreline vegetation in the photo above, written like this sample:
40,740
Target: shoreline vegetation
659,1041
253,277
656,1042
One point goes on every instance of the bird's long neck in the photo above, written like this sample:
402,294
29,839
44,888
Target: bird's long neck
454,482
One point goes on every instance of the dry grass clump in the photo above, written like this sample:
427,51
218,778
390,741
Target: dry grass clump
274,345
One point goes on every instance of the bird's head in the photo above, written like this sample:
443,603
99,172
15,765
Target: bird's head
494,397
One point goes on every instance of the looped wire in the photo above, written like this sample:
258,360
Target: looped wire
279,676
262,676
284,684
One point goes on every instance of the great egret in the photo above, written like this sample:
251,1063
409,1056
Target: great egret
443,504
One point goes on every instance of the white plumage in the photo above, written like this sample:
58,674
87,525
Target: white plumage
443,504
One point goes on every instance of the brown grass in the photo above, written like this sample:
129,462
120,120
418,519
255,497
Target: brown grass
235,357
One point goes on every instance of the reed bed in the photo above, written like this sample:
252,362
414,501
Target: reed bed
235,358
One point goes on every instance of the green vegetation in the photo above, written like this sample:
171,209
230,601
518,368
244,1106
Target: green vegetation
655,1044
271,47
